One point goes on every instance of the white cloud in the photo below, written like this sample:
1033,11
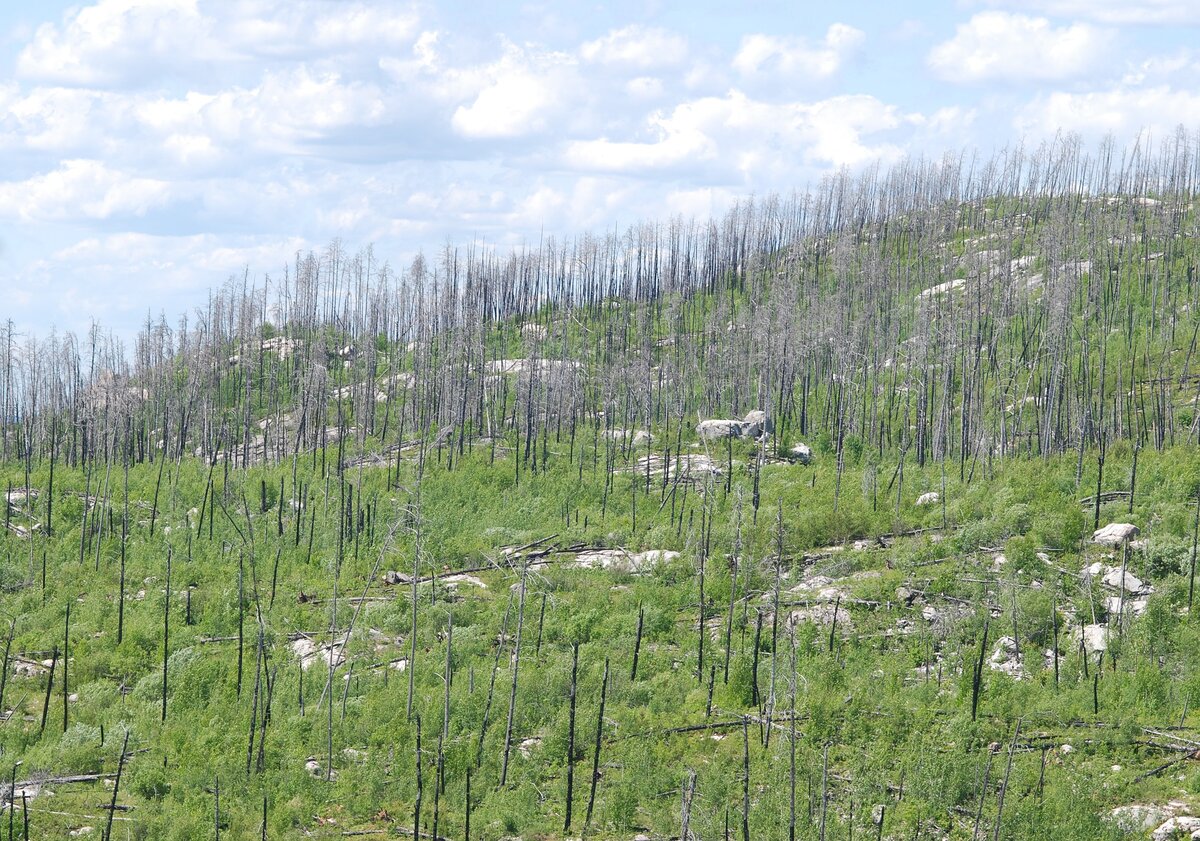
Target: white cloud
181,256
795,58
239,125
699,203
644,87
81,189
286,112
585,202
1113,11
517,95
1012,47
118,278
676,145
512,105
636,47
58,119
1122,111
137,43
354,24
102,43
749,138
950,120
1162,68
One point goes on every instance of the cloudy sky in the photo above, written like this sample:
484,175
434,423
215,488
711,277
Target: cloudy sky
152,148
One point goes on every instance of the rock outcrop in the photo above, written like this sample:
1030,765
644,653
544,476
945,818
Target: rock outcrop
1114,534
756,424
800,453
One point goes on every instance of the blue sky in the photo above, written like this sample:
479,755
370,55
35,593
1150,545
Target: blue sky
153,148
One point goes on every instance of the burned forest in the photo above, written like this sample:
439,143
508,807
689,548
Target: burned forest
869,511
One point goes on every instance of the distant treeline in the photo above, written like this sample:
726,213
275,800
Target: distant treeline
959,310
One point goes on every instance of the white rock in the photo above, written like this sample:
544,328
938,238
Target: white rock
942,288
623,561
1138,817
309,652
1133,585
756,424
526,366
1006,659
1137,607
822,614
801,453
603,559
463,578
1095,637
636,437
815,582
653,557
713,429
1114,534
930,498
1095,569
696,465
312,766
1174,827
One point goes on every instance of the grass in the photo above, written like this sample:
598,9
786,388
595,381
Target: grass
895,736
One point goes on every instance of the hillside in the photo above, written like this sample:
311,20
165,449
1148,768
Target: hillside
784,525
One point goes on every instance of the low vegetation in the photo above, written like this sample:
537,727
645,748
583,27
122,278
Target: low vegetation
872,513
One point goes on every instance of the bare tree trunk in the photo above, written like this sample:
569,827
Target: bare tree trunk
512,695
571,737
596,756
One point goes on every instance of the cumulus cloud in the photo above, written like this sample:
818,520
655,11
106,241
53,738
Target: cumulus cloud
280,114
644,87
81,189
135,43
59,120
1162,68
751,139
249,130
1121,111
107,42
796,58
118,278
1017,48
1112,11
287,111
636,47
516,97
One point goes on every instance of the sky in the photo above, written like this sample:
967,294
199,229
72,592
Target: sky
151,149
